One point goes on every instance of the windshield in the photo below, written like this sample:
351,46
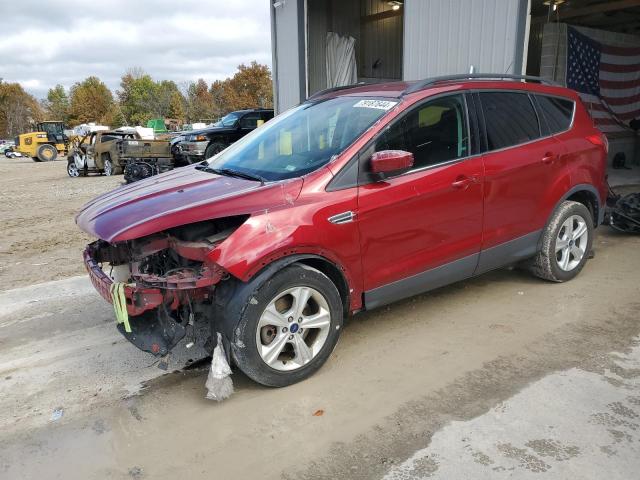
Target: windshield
303,139
228,120
52,128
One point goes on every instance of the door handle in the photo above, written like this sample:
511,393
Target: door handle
549,158
462,182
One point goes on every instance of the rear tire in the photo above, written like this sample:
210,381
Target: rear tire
108,167
566,243
46,153
289,327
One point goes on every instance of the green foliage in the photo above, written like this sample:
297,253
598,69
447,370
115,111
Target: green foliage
57,104
141,98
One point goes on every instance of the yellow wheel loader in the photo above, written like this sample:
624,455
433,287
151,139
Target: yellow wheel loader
45,143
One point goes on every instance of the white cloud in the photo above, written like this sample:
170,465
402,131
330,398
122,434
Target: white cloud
65,41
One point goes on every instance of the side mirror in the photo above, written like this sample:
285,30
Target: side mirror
389,161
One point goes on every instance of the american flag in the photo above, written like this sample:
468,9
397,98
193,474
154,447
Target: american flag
607,78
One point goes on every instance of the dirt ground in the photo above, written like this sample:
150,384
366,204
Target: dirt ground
40,240
501,376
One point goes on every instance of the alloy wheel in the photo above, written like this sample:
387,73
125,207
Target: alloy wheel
571,242
72,170
293,328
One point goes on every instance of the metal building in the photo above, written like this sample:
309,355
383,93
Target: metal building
394,40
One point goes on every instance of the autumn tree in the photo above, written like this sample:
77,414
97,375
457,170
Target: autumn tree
250,87
177,107
57,104
90,101
199,102
18,110
168,94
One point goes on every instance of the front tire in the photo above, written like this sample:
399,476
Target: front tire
566,243
289,328
46,153
72,169
213,149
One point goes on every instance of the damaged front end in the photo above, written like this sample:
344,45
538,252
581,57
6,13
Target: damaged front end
162,285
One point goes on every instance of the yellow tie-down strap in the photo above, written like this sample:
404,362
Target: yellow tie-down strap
120,304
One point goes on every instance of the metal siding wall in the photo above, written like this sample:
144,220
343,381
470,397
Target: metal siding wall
288,50
447,36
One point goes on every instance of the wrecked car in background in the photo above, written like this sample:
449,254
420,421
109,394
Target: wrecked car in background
358,197
113,152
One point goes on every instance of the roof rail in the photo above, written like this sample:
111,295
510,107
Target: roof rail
469,76
335,89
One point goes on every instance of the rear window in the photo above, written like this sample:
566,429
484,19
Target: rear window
510,119
558,112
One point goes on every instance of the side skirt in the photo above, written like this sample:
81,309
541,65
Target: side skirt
421,282
495,257
509,252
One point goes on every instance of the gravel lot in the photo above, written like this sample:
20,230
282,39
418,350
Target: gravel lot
40,240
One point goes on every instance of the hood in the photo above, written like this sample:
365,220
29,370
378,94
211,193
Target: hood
178,197
208,130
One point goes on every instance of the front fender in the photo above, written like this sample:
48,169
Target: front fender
273,235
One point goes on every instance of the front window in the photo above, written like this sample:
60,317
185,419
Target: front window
303,139
435,132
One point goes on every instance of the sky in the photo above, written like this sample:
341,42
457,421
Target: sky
44,43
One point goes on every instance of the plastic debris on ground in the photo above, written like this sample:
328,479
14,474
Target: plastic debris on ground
57,414
219,384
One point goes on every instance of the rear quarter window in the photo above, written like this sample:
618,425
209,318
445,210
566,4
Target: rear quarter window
510,119
558,112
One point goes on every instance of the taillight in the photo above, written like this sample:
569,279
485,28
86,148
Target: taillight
600,140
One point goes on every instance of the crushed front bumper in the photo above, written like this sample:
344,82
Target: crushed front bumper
159,309
139,300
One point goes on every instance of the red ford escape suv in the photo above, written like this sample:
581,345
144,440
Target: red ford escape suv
354,199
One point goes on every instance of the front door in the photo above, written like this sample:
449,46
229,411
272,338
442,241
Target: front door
422,229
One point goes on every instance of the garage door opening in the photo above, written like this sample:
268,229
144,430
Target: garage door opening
351,41
593,46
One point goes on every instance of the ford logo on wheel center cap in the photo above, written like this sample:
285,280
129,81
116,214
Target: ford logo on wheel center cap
293,328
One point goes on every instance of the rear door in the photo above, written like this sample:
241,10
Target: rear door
522,163
422,229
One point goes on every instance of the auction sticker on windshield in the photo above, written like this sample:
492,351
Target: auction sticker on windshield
379,104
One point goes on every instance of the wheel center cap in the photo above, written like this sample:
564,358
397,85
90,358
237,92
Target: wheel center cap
571,243
293,328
